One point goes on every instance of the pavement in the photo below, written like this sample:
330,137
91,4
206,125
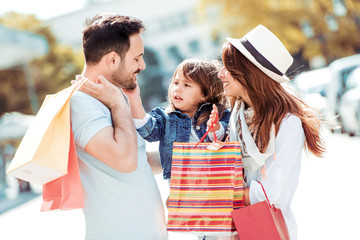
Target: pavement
27,222
326,204
6,204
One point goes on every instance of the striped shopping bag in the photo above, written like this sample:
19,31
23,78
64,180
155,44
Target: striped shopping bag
205,186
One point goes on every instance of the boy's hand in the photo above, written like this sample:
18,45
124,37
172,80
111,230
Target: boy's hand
132,93
213,118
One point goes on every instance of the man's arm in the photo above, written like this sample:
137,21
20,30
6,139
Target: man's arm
154,161
115,145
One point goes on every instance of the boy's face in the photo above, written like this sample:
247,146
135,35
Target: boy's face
185,95
125,76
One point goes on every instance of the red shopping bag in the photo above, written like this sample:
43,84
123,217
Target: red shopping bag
260,221
205,186
65,192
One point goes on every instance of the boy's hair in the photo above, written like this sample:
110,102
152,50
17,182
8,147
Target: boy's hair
205,74
108,33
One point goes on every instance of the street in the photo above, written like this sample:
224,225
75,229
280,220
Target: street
325,205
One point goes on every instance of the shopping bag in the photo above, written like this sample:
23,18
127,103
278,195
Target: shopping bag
43,152
260,221
205,186
65,192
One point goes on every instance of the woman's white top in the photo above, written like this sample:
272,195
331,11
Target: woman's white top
279,172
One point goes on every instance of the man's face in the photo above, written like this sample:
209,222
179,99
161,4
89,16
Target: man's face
131,64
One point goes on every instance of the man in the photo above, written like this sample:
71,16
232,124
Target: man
122,200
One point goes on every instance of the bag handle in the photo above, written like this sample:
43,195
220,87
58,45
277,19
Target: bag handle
267,199
207,132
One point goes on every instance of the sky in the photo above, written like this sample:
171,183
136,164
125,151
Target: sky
43,9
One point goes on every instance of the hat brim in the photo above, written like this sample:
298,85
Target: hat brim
237,44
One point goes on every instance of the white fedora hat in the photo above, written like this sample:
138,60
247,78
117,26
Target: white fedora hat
265,51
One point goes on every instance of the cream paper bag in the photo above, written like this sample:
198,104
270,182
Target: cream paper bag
42,155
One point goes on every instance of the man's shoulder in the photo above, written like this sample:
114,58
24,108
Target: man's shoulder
81,96
84,108
88,116
85,101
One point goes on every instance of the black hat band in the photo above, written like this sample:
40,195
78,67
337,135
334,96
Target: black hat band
259,58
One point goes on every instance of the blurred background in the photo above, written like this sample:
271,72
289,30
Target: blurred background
40,52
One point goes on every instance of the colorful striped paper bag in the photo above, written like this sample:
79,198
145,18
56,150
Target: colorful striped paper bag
205,187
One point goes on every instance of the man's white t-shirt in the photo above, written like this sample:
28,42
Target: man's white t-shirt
117,205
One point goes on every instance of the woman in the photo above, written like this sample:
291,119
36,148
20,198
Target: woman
272,124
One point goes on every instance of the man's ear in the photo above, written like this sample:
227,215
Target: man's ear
113,60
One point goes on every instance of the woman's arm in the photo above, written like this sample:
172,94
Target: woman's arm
282,170
246,197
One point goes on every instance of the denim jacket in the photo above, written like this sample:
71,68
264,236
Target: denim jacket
175,127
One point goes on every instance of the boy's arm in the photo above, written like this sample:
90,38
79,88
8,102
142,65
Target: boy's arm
149,127
214,119
136,106
224,122
220,133
152,126
220,126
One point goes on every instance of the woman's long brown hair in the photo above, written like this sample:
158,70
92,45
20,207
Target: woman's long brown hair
272,102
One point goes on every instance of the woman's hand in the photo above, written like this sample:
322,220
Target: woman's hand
214,119
103,90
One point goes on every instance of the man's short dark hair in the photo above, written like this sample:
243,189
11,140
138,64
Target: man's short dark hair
108,32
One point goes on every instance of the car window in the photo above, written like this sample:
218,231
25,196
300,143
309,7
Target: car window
345,75
353,79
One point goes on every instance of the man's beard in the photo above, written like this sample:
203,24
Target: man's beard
123,80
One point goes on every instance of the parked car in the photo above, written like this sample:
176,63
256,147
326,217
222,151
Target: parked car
340,71
311,85
349,107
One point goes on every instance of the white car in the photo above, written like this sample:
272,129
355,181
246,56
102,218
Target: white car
349,106
340,71
311,85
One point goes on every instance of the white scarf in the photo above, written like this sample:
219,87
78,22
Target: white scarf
253,159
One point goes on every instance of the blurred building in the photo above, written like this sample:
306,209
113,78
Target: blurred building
18,49
173,33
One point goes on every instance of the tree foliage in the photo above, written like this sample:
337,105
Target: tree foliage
50,73
310,27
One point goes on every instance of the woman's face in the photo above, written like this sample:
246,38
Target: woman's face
232,87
